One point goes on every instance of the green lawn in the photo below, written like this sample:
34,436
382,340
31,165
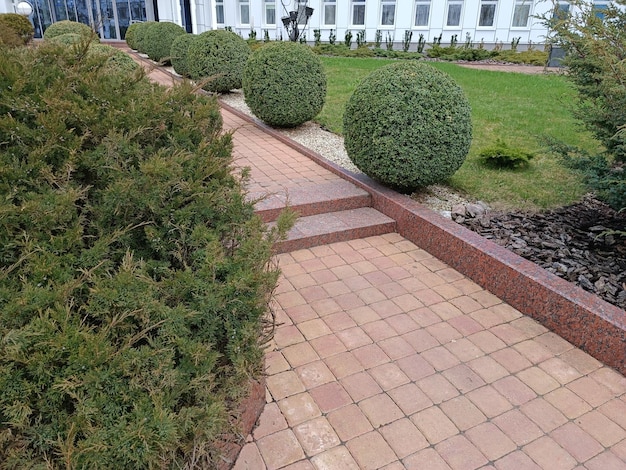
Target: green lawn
515,107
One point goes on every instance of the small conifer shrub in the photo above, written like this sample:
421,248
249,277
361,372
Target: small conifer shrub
502,155
217,59
67,26
408,125
129,37
159,38
284,84
135,274
138,35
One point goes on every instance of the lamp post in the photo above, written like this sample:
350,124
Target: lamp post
296,18
23,8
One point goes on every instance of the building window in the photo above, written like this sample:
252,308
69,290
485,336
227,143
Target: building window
598,9
270,12
244,11
422,12
487,15
219,11
521,13
330,11
387,12
358,12
455,7
561,10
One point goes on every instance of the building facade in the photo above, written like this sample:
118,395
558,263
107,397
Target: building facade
487,21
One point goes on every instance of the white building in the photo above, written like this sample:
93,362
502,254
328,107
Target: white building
490,21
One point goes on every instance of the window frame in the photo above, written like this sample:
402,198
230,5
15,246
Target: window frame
266,4
483,4
518,3
353,5
325,5
240,4
455,3
416,4
219,4
383,4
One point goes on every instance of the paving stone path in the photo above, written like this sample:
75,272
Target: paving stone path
386,358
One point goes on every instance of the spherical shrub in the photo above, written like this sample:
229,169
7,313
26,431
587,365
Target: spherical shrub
129,37
159,38
179,52
139,35
408,125
284,84
218,58
9,38
66,26
18,23
66,39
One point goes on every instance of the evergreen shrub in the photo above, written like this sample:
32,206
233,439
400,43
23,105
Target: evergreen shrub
217,59
138,35
129,37
18,23
66,39
179,52
116,60
67,26
284,84
9,38
135,275
502,155
408,125
158,40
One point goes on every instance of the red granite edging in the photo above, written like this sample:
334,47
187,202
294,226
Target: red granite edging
580,317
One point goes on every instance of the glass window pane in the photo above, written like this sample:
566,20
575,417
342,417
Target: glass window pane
270,14
358,14
219,14
487,15
388,15
454,15
244,13
329,14
521,15
422,12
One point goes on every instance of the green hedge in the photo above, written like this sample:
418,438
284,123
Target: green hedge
158,40
284,84
138,35
135,274
217,59
65,27
129,37
408,125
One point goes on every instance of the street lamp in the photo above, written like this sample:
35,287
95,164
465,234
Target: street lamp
294,19
23,8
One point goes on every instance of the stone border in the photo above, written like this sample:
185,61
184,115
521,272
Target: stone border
582,318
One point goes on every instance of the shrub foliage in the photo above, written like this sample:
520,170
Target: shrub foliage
179,52
284,84
217,58
134,274
19,24
159,38
138,35
502,155
408,125
67,26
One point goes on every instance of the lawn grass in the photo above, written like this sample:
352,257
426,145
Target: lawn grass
518,108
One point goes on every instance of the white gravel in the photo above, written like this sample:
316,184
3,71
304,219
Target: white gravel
330,146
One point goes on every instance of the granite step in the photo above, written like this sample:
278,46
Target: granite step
331,227
331,196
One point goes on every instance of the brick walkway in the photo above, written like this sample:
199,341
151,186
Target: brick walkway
385,357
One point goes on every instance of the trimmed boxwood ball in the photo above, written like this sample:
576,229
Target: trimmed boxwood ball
66,26
129,37
179,52
284,84
117,60
139,35
408,125
159,38
217,58
18,23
